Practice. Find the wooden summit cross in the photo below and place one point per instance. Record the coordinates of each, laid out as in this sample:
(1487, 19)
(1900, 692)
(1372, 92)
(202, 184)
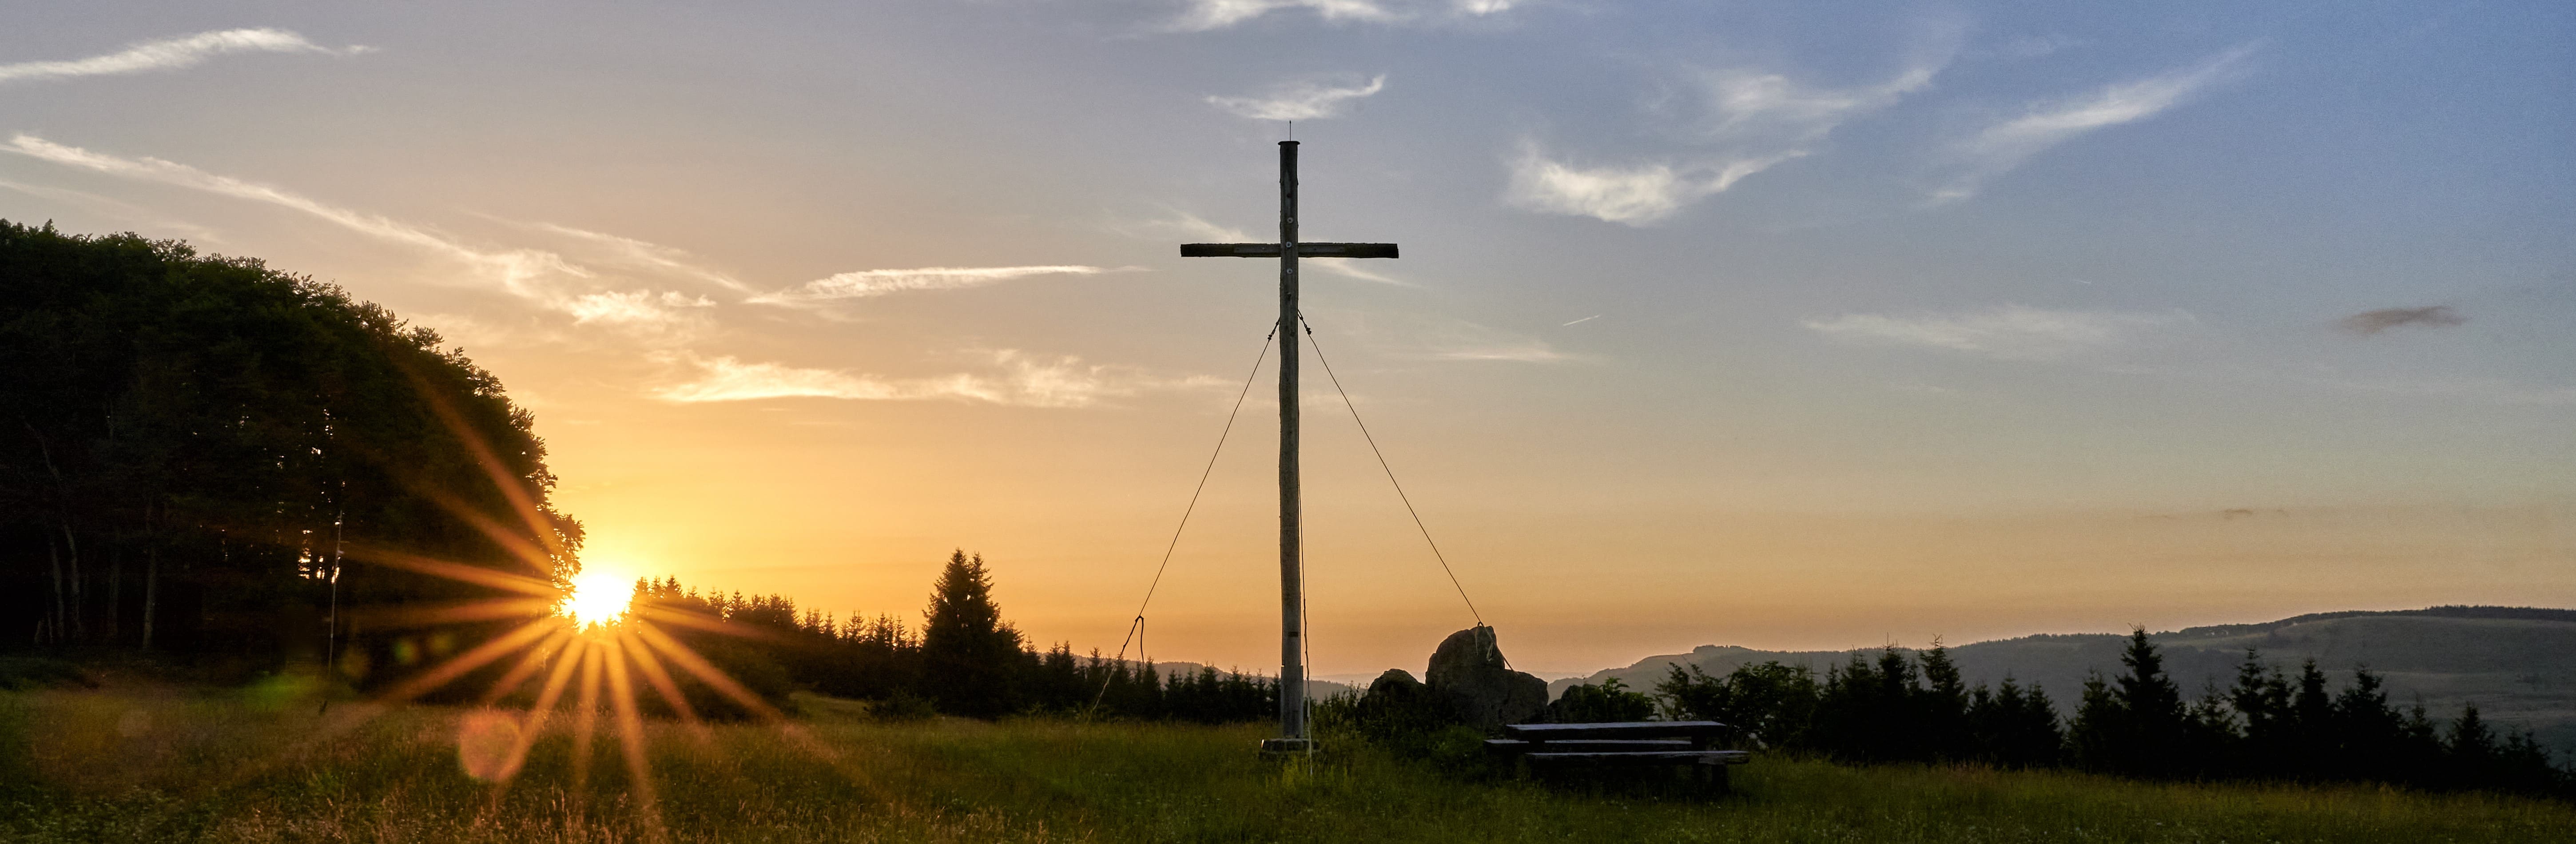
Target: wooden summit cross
(1292, 601)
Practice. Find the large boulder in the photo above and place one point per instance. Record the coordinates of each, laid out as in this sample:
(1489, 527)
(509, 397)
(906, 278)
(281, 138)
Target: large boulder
(1397, 703)
(1396, 685)
(1469, 673)
(1402, 713)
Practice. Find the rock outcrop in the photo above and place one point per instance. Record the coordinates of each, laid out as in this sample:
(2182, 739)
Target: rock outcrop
(1469, 673)
(1397, 684)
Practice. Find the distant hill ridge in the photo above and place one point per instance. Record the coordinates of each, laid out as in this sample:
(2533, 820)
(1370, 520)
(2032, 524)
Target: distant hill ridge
(2518, 664)
(2449, 611)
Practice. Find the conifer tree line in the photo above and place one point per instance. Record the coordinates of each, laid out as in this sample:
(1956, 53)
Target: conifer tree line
(964, 659)
(2268, 725)
(195, 451)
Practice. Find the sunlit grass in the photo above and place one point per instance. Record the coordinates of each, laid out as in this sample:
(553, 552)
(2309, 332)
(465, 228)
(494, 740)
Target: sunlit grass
(83, 766)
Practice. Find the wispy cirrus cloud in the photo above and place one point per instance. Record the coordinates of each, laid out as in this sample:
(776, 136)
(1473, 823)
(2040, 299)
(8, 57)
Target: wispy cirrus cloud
(1635, 195)
(1763, 106)
(1014, 378)
(1749, 121)
(1205, 15)
(519, 271)
(619, 249)
(2028, 47)
(662, 310)
(1306, 100)
(2003, 146)
(538, 276)
(171, 54)
(864, 284)
(2011, 332)
(2372, 322)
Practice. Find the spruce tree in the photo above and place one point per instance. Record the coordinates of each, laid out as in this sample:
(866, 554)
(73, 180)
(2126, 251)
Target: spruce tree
(2154, 707)
(968, 653)
(2370, 733)
(2262, 697)
(2098, 738)
(1944, 706)
(2312, 740)
(2471, 753)
(2013, 728)
(2136, 724)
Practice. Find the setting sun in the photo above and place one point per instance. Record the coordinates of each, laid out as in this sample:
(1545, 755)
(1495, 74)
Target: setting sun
(599, 596)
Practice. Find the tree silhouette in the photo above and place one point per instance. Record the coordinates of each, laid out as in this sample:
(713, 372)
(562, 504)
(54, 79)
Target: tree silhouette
(228, 435)
(967, 651)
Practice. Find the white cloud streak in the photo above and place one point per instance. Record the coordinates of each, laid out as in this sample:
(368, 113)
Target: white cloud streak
(518, 271)
(1754, 121)
(2011, 332)
(864, 284)
(1753, 105)
(2004, 146)
(641, 308)
(535, 275)
(1017, 378)
(1205, 15)
(1299, 100)
(1635, 195)
(170, 54)
(646, 254)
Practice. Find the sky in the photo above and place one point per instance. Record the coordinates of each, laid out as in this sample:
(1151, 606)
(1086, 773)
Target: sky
(1782, 325)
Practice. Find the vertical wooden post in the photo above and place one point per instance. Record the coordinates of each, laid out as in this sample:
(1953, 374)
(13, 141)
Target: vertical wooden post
(1292, 662)
(1292, 580)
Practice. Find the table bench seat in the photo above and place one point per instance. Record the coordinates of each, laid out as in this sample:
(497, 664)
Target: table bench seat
(1564, 747)
(1644, 757)
(1505, 745)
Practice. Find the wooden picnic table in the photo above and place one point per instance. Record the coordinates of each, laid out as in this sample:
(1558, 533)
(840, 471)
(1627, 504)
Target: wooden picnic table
(1542, 748)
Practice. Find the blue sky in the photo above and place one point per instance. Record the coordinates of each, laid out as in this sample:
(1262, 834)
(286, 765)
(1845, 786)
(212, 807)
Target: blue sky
(805, 294)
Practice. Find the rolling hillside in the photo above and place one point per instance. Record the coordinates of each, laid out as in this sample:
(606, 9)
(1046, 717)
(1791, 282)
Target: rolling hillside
(2517, 664)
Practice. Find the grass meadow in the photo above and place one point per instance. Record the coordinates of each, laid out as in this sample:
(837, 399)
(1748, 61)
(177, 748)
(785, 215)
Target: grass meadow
(265, 765)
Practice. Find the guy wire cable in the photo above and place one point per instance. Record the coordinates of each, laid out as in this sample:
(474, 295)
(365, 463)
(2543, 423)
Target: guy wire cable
(1135, 626)
(1390, 471)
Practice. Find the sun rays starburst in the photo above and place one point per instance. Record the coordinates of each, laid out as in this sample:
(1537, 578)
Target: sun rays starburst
(587, 635)
(599, 597)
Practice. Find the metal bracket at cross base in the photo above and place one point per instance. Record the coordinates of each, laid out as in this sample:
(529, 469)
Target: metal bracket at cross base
(1287, 746)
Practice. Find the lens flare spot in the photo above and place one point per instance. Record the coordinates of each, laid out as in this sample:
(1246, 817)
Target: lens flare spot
(484, 740)
(599, 596)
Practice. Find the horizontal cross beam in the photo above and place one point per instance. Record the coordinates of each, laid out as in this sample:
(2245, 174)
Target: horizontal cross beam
(1271, 250)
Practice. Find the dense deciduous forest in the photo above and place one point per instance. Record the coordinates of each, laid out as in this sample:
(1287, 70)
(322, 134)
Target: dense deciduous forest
(203, 455)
